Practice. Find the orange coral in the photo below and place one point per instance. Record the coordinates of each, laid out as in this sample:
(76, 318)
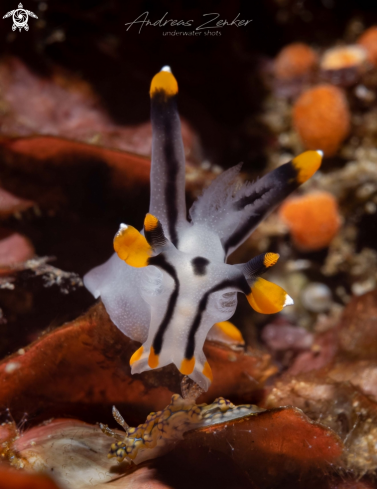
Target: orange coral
(12, 479)
(312, 219)
(344, 65)
(369, 41)
(321, 117)
(294, 60)
(343, 57)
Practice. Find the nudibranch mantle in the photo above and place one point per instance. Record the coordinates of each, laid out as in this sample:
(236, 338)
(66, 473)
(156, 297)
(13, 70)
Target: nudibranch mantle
(169, 284)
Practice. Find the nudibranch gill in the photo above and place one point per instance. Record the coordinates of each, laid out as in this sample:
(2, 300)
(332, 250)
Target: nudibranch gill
(169, 284)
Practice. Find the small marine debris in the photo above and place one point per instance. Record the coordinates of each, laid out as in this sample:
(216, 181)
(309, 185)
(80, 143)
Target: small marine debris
(39, 266)
(316, 297)
(66, 281)
(313, 219)
(322, 118)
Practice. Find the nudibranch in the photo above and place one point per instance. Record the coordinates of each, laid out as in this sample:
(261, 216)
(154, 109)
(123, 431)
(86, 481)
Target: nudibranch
(162, 429)
(169, 284)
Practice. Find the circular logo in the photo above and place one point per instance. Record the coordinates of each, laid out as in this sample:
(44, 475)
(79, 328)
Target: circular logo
(20, 18)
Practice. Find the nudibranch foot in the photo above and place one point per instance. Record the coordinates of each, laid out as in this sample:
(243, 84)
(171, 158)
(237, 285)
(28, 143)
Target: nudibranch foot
(169, 284)
(163, 429)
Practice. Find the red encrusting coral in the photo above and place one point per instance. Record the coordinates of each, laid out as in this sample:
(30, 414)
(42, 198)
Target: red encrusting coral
(40, 166)
(96, 349)
(322, 119)
(283, 438)
(14, 479)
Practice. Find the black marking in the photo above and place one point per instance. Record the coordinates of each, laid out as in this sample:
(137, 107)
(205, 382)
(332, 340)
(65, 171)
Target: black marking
(156, 237)
(240, 284)
(199, 264)
(241, 203)
(271, 189)
(163, 112)
(255, 267)
(160, 261)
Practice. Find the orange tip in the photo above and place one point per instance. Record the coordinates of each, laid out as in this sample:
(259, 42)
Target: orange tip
(231, 331)
(136, 355)
(207, 371)
(150, 222)
(306, 164)
(270, 259)
(165, 83)
(187, 366)
(153, 359)
(268, 298)
(132, 247)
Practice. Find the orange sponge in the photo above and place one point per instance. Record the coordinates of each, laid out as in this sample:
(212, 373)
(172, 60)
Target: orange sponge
(369, 41)
(312, 219)
(295, 60)
(322, 118)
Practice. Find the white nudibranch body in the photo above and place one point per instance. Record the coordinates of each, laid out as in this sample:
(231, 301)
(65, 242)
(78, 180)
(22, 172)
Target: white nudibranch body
(168, 286)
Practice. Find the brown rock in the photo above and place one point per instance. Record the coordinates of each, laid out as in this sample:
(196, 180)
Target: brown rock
(358, 328)
(337, 405)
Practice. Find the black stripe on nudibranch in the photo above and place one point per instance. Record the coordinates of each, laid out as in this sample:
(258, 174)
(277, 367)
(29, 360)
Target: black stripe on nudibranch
(239, 284)
(154, 232)
(272, 189)
(199, 265)
(160, 261)
(163, 114)
(241, 203)
(259, 264)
